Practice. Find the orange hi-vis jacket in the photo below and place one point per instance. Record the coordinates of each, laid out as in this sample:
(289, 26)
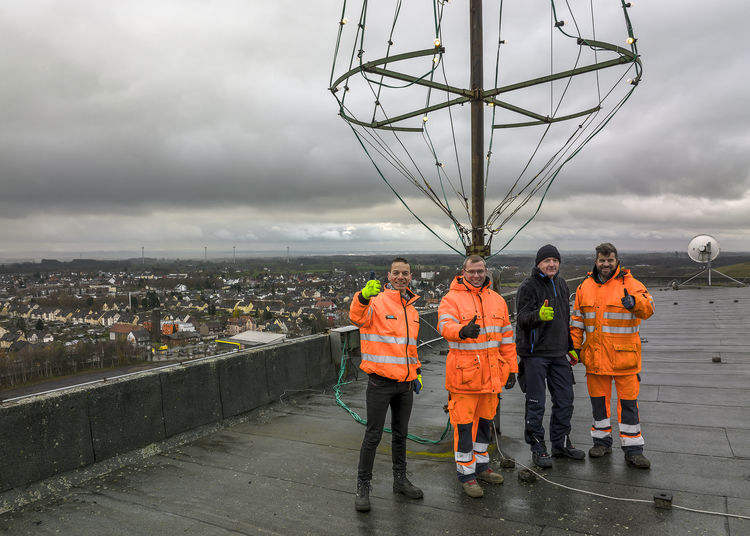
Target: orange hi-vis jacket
(606, 332)
(480, 365)
(388, 329)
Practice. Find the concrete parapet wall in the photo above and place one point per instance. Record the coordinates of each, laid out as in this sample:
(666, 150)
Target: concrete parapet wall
(54, 433)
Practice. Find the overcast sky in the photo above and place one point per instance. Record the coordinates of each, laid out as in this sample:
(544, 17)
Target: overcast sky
(182, 124)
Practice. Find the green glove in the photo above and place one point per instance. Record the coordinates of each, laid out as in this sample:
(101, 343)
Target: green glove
(546, 313)
(372, 289)
(417, 384)
(573, 358)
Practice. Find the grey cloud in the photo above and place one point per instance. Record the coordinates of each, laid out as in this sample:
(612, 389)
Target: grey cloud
(166, 113)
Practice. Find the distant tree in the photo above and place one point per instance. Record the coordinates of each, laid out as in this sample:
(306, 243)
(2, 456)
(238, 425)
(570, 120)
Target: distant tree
(19, 323)
(317, 322)
(212, 308)
(152, 300)
(89, 301)
(236, 313)
(39, 325)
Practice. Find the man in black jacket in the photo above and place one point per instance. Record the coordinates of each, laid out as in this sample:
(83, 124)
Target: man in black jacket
(546, 350)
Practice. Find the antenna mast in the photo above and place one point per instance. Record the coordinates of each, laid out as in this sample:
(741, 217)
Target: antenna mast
(477, 246)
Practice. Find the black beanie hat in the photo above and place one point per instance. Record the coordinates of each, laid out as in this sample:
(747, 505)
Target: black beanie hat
(547, 251)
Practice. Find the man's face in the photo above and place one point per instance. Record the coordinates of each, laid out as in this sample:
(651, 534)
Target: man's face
(606, 264)
(400, 276)
(475, 273)
(549, 266)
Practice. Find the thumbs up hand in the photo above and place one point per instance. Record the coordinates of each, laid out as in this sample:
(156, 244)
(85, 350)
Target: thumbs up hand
(546, 313)
(470, 330)
(628, 301)
(372, 288)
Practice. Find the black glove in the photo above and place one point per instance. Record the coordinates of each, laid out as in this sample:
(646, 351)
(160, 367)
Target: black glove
(628, 301)
(511, 380)
(470, 330)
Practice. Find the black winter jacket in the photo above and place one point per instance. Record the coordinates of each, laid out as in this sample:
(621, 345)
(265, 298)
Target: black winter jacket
(534, 337)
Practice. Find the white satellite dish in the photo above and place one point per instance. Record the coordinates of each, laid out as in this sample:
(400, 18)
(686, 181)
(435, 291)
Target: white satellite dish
(703, 249)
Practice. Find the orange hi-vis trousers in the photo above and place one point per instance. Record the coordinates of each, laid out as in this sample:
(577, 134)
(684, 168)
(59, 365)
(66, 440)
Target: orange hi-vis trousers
(471, 415)
(600, 391)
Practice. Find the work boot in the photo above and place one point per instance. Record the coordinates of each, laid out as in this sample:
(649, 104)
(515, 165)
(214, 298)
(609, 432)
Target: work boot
(637, 460)
(568, 451)
(402, 485)
(362, 501)
(541, 459)
(472, 489)
(490, 476)
(599, 451)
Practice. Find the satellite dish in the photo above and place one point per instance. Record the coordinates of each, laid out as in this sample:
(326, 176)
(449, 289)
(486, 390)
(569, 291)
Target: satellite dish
(703, 248)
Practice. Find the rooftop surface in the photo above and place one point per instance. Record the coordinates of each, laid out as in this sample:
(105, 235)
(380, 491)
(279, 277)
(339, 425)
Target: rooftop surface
(290, 468)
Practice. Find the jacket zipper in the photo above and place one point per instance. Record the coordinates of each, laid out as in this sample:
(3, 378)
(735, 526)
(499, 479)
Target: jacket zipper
(484, 320)
(406, 348)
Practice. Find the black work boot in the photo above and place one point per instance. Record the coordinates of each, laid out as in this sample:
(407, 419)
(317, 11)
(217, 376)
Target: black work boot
(362, 501)
(402, 485)
(637, 460)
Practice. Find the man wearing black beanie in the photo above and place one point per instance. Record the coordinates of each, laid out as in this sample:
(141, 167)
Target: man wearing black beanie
(545, 347)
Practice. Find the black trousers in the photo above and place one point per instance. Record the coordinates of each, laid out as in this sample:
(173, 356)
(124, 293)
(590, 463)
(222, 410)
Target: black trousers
(553, 373)
(381, 395)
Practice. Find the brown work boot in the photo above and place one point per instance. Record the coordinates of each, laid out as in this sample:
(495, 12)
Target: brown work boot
(599, 451)
(473, 489)
(402, 485)
(637, 460)
(490, 476)
(362, 501)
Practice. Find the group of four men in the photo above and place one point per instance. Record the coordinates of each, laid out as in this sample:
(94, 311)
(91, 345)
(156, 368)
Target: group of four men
(601, 331)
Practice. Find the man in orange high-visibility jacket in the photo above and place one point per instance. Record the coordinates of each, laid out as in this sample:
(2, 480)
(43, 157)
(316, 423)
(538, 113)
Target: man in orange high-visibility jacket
(388, 327)
(604, 324)
(481, 360)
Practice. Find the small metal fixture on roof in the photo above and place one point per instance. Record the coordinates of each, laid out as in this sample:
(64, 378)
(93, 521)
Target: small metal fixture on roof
(663, 500)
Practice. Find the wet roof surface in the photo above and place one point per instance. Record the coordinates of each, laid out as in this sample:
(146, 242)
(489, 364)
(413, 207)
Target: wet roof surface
(291, 468)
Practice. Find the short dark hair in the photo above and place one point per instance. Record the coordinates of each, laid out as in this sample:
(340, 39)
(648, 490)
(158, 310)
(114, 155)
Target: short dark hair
(472, 259)
(605, 249)
(400, 259)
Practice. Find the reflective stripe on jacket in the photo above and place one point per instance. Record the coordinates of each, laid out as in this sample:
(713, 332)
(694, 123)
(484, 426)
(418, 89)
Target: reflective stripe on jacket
(607, 333)
(480, 365)
(388, 330)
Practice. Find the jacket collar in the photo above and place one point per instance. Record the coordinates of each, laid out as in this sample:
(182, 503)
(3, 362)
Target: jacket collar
(619, 272)
(460, 284)
(395, 295)
(541, 275)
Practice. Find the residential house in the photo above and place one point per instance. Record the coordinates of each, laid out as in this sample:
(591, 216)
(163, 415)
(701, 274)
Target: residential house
(210, 327)
(38, 336)
(121, 331)
(7, 340)
(139, 337)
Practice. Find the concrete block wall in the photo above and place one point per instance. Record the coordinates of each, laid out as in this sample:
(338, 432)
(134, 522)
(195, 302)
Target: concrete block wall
(49, 434)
